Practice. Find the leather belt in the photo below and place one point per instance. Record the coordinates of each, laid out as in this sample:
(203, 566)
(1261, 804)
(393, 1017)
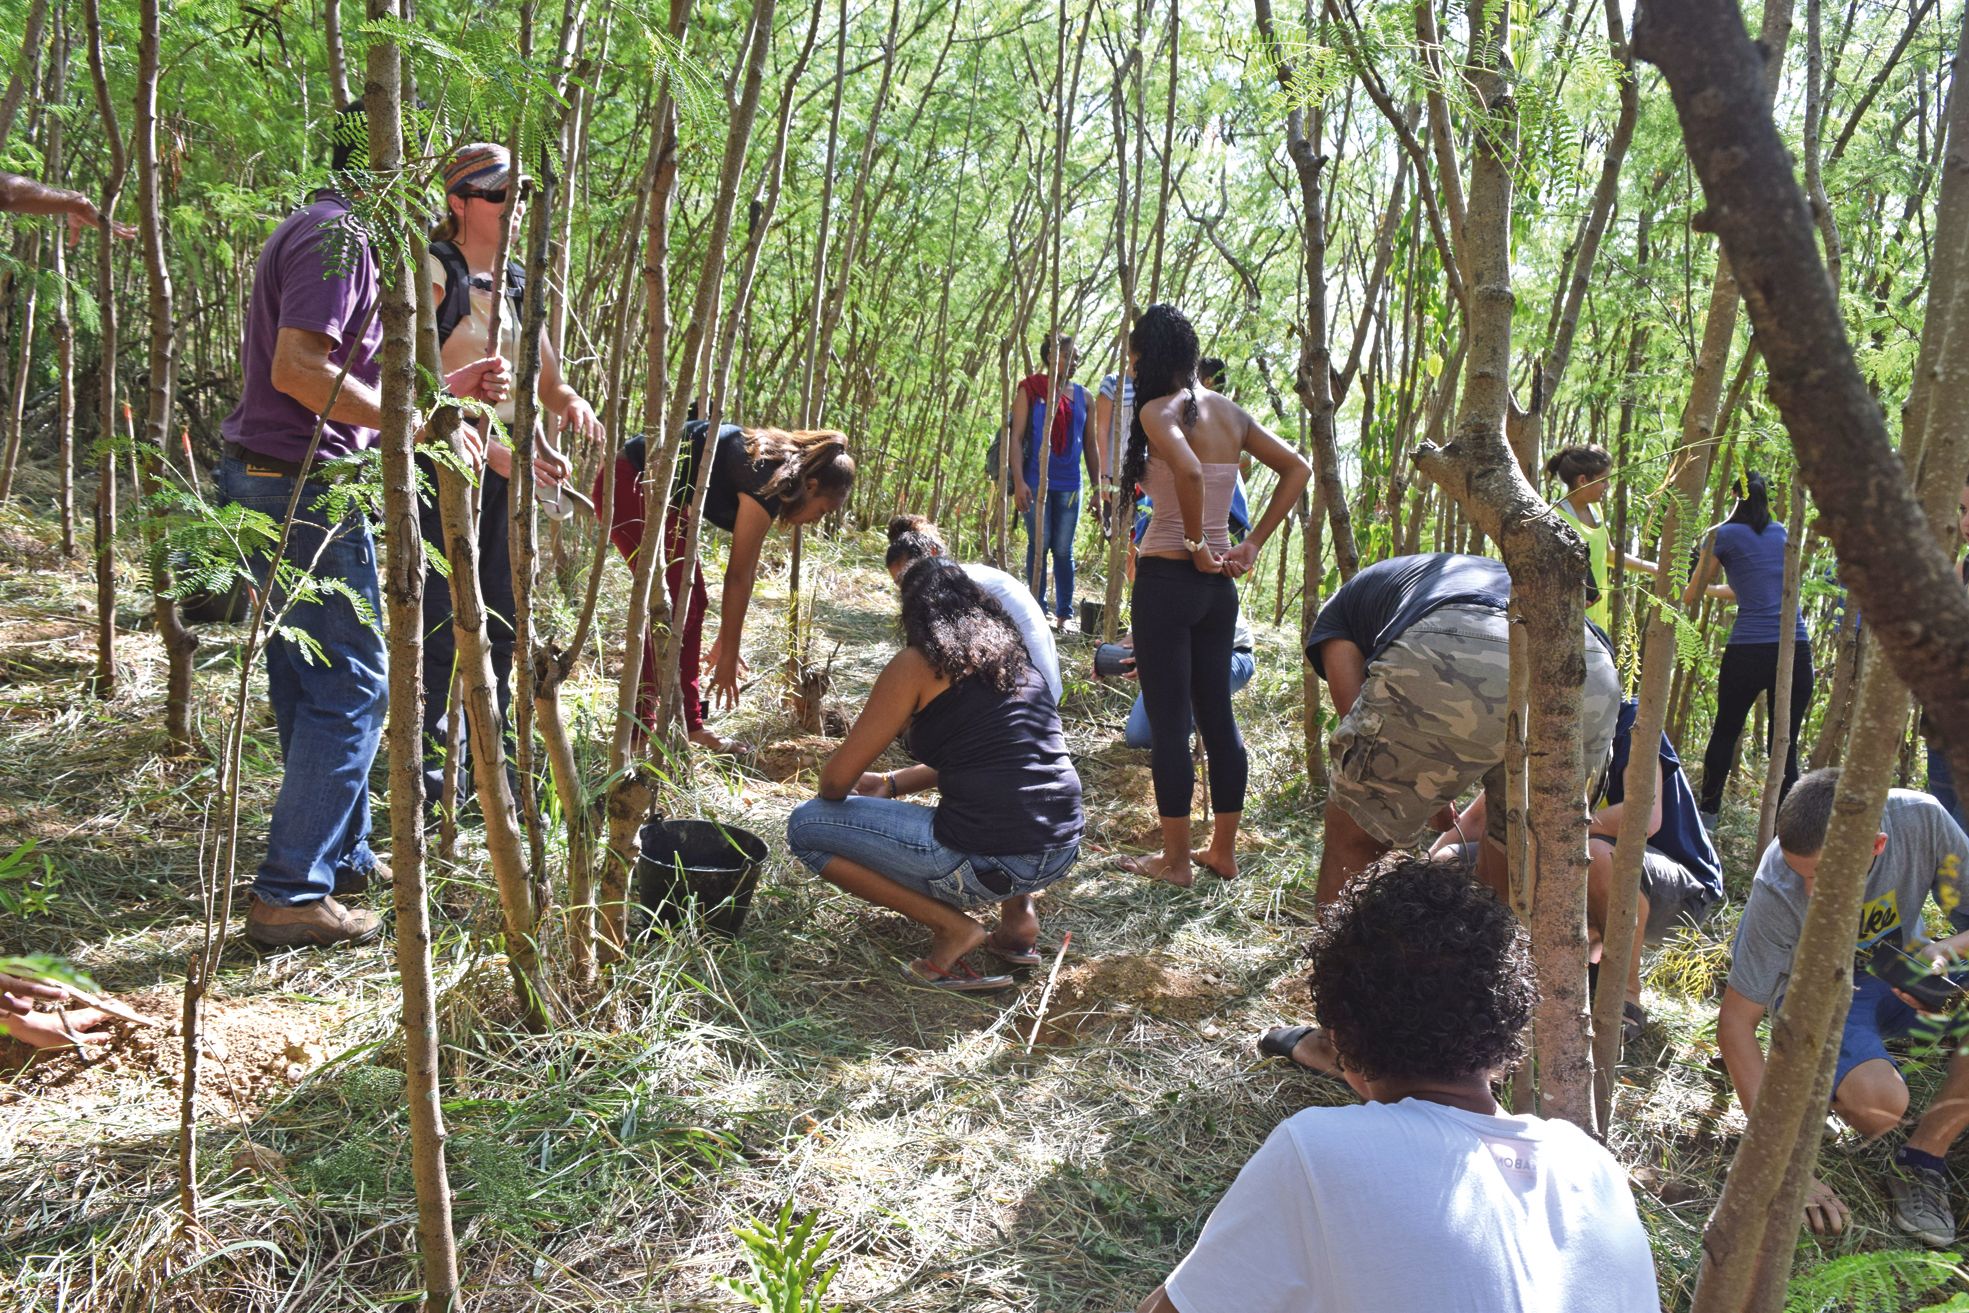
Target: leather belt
(265, 463)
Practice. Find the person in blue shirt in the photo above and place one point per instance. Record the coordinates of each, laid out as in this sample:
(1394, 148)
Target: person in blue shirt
(1750, 548)
(1064, 442)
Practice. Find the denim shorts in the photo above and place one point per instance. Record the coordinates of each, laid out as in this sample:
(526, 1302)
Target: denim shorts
(897, 840)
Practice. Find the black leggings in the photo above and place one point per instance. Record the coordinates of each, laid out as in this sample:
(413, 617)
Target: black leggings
(1184, 623)
(1750, 669)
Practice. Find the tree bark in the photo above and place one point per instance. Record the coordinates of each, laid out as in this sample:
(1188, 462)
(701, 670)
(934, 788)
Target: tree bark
(104, 683)
(1890, 556)
(1548, 567)
(1313, 379)
(23, 366)
(1780, 700)
(403, 590)
(180, 644)
(23, 75)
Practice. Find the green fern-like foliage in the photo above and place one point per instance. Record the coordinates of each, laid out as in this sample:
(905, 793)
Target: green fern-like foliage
(1886, 1281)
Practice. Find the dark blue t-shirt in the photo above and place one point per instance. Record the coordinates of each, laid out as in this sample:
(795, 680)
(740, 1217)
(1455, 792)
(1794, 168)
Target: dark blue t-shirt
(1377, 605)
(1681, 837)
(1753, 563)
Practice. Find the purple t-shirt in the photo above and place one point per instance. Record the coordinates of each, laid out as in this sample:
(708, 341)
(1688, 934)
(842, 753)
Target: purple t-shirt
(313, 277)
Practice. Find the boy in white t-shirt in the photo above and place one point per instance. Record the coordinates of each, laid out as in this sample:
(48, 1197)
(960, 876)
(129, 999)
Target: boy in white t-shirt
(1427, 1196)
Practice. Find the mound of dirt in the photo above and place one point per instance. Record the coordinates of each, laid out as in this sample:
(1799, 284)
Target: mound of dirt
(790, 757)
(1098, 997)
(255, 1051)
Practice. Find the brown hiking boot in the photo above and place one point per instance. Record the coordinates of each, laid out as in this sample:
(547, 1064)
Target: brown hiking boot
(323, 923)
(349, 883)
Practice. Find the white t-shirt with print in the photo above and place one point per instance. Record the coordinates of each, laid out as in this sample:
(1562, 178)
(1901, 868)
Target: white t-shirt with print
(1414, 1206)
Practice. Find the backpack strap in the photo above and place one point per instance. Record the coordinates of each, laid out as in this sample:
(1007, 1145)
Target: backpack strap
(456, 304)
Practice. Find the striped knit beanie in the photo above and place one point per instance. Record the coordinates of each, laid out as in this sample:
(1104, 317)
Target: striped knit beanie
(481, 166)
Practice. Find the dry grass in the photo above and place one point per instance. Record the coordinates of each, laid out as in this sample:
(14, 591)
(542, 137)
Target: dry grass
(605, 1167)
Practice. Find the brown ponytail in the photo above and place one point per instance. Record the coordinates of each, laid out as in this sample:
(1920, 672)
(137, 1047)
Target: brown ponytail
(799, 455)
(1574, 465)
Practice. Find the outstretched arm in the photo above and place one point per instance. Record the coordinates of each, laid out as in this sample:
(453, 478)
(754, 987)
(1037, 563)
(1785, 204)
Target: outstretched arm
(20, 195)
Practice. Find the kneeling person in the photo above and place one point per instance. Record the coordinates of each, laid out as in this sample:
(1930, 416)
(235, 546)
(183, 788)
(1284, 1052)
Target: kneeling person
(985, 727)
(1427, 1196)
(1919, 852)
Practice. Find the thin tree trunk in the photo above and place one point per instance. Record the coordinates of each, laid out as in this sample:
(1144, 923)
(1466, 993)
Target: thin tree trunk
(698, 331)
(630, 797)
(403, 590)
(1780, 701)
(180, 644)
(23, 75)
(104, 683)
(1313, 380)
(338, 73)
(23, 367)
(1548, 570)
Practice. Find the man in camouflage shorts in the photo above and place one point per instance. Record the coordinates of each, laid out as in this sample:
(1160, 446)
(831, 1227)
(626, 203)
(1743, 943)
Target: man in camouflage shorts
(1416, 653)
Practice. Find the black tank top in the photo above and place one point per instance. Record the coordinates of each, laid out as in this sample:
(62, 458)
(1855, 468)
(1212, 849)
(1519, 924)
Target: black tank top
(1008, 786)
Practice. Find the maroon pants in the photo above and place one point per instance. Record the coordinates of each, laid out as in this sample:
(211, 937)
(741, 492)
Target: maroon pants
(625, 530)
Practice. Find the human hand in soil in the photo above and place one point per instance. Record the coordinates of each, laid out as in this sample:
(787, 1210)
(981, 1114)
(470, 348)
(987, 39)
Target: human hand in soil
(1825, 1212)
(1240, 559)
(57, 1030)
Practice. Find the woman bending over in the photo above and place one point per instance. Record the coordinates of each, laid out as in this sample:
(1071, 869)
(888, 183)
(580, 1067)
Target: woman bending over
(986, 731)
(759, 478)
(1183, 449)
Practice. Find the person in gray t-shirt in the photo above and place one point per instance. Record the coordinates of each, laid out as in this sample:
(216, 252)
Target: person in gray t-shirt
(1919, 853)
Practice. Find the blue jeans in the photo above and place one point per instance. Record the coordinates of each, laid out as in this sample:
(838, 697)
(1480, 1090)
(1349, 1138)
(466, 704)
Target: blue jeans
(1062, 521)
(897, 840)
(328, 706)
(1136, 732)
(1941, 783)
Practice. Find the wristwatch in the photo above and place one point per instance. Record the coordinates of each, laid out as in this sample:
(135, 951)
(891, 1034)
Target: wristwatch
(1196, 546)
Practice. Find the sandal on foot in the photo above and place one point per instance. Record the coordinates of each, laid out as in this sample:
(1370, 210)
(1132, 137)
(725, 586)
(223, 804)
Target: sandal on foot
(1018, 957)
(1280, 1041)
(958, 978)
(1633, 1020)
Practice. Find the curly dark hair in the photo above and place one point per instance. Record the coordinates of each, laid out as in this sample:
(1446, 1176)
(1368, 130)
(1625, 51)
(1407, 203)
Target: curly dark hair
(1165, 363)
(911, 538)
(1419, 972)
(960, 629)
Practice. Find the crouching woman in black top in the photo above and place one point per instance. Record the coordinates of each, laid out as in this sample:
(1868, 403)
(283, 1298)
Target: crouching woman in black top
(984, 726)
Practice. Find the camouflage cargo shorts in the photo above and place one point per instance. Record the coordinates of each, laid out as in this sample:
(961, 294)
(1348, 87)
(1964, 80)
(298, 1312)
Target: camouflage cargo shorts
(1430, 721)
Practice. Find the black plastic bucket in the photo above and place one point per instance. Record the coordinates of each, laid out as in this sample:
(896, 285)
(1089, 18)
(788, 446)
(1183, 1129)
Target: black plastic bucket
(703, 863)
(1091, 615)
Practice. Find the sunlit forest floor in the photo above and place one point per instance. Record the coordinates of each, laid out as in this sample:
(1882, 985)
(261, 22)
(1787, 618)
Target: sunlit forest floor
(967, 1153)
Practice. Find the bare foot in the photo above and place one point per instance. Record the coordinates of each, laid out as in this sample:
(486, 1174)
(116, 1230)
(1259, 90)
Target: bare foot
(1316, 1051)
(1223, 866)
(705, 738)
(947, 947)
(1158, 867)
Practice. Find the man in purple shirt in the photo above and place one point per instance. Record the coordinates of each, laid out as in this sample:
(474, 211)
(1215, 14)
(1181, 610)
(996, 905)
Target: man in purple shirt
(311, 363)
